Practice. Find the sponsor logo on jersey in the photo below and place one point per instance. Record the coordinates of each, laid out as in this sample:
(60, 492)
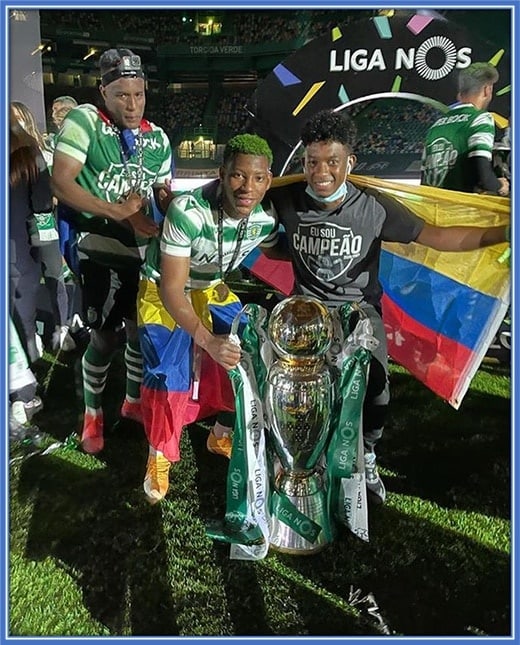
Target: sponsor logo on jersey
(117, 180)
(441, 156)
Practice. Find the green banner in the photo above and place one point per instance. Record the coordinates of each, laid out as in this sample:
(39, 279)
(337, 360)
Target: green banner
(351, 391)
(237, 526)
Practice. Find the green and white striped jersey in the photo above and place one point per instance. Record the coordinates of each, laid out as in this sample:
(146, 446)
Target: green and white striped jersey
(462, 133)
(190, 229)
(88, 136)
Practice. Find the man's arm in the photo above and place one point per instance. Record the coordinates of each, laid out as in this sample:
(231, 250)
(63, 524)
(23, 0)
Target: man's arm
(276, 246)
(487, 180)
(68, 191)
(174, 275)
(163, 196)
(277, 252)
(461, 238)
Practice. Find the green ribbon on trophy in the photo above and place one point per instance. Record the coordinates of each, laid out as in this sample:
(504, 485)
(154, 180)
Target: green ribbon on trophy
(245, 524)
(315, 414)
(255, 342)
(284, 509)
(342, 451)
(345, 466)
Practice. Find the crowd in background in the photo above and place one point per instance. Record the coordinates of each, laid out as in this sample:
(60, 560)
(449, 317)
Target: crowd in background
(177, 26)
(222, 111)
(401, 127)
(232, 113)
(401, 124)
(176, 111)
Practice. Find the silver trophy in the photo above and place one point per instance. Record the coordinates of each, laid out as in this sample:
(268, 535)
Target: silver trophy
(299, 395)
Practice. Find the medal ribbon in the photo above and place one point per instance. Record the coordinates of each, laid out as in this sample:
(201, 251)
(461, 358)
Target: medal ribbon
(128, 148)
(241, 231)
(129, 145)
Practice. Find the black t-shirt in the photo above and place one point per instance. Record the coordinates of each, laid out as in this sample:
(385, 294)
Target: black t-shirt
(335, 254)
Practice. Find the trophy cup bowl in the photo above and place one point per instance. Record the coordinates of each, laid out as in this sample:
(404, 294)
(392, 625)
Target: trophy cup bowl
(300, 327)
(299, 403)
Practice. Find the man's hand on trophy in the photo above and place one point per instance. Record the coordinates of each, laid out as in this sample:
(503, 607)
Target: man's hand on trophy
(224, 351)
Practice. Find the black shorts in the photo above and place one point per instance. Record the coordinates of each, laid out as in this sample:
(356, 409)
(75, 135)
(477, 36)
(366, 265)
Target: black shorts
(109, 295)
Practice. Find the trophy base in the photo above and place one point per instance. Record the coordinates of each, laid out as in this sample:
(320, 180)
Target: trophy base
(306, 496)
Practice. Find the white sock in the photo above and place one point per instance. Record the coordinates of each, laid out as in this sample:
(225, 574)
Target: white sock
(221, 431)
(153, 452)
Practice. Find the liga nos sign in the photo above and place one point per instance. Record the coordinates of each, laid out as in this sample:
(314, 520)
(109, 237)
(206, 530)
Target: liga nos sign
(409, 56)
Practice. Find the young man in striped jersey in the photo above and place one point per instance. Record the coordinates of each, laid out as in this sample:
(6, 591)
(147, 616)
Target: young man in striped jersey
(458, 150)
(106, 163)
(185, 308)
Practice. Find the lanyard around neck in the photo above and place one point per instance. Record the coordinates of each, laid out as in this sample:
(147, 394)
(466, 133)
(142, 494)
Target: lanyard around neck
(129, 144)
(241, 231)
(132, 145)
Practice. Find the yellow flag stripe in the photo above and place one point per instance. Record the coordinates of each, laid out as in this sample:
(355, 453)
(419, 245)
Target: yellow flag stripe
(479, 269)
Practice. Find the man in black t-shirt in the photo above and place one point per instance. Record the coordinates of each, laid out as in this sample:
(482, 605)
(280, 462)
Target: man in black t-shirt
(334, 234)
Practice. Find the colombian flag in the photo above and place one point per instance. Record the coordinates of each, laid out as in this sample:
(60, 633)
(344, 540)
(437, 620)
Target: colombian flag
(441, 310)
(170, 395)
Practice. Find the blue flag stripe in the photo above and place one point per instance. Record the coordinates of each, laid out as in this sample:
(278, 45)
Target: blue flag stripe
(436, 301)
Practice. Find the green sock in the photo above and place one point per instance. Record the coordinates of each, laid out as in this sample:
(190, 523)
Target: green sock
(95, 366)
(134, 370)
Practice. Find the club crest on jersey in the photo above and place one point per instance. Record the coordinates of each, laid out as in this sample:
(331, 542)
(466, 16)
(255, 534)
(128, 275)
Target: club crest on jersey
(327, 250)
(253, 232)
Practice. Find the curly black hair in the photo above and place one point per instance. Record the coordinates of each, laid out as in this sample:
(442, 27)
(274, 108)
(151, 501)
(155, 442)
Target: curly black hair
(329, 126)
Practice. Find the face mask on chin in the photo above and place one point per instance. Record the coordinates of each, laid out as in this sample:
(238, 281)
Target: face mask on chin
(338, 194)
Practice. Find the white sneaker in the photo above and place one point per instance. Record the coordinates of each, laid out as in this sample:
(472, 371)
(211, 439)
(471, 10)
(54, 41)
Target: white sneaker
(375, 487)
(32, 407)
